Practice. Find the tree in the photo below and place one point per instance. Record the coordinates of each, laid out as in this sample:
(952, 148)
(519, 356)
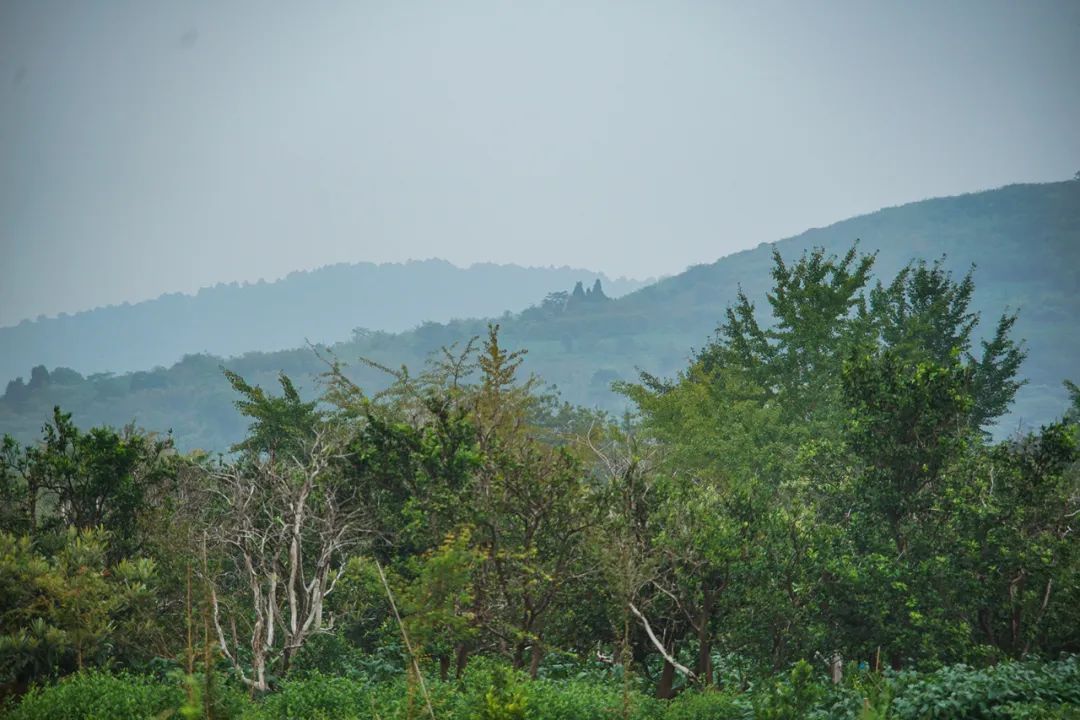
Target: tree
(39, 377)
(555, 303)
(531, 504)
(885, 499)
(468, 447)
(924, 315)
(1072, 415)
(819, 316)
(85, 480)
(812, 463)
(732, 518)
(282, 424)
(1023, 497)
(16, 390)
(907, 426)
(280, 519)
(715, 497)
(437, 604)
(72, 609)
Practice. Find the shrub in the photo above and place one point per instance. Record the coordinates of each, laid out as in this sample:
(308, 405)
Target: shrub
(790, 698)
(1009, 690)
(100, 696)
(709, 706)
(492, 691)
(572, 699)
(1028, 711)
(315, 697)
(329, 654)
(505, 698)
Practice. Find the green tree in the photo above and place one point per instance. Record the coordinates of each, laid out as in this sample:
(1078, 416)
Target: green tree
(816, 458)
(469, 446)
(890, 580)
(925, 315)
(282, 424)
(437, 605)
(717, 516)
(72, 609)
(1022, 498)
(818, 313)
(97, 478)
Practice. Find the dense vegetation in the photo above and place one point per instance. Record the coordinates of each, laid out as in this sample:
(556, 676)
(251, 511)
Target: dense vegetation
(322, 305)
(810, 496)
(1024, 241)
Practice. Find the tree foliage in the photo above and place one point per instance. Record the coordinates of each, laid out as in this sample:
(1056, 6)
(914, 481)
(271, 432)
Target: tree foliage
(815, 490)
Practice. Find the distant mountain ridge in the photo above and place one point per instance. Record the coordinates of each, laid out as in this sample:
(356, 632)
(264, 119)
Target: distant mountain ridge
(322, 305)
(1023, 239)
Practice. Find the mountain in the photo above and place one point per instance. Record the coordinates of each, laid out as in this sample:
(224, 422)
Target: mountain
(323, 305)
(1024, 241)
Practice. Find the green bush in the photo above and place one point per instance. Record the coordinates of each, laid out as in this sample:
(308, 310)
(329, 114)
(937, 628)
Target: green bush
(1029, 711)
(709, 706)
(572, 699)
(330, 654)
(1009, 690)
(315, 697)
(790, 698)
(100, 696)
(491, 691)
(505, 698)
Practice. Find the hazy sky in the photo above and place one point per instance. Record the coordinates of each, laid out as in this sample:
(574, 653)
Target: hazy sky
(151, 146)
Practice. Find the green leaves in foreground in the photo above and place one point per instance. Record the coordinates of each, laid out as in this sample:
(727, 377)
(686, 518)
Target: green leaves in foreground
(1010, 691)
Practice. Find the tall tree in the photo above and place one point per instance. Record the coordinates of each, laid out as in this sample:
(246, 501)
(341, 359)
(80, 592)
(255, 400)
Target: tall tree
(925, 315)
(818, 316)
(279, 522)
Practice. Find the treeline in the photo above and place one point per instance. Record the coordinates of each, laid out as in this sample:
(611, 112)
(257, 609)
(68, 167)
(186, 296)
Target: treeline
(1024, 241)
(322, 305)
(817, 491)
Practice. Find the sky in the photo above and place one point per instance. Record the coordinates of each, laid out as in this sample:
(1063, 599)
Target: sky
(150, 146)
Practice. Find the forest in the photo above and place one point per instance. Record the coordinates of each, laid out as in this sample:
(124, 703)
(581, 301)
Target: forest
(808, 520)
(322, 305)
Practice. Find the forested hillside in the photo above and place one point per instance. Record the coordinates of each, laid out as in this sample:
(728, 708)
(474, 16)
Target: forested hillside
(1023, 241)
(323, 305)
(807, 521)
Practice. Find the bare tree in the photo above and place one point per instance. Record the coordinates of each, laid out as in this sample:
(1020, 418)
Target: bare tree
(283, 526)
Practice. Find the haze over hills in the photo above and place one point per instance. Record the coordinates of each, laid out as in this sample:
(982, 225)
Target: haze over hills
(321, 306)
(1024, 241)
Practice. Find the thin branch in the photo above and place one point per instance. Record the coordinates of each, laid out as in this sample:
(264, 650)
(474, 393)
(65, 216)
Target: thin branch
(660, 646)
